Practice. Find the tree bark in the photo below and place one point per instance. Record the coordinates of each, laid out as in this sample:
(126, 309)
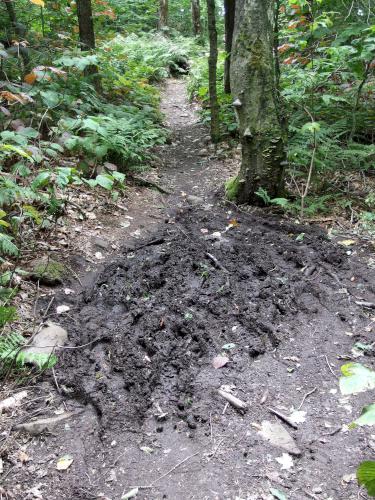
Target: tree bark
(87, 37)
(229, 10)
(86, 25)
(254, 91)
(212, 71)
(196, 17)
(19, 30)
(163, 14)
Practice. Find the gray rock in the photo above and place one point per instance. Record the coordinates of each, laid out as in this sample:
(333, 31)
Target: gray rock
(194, 200)
(45, 342)
(100, 243)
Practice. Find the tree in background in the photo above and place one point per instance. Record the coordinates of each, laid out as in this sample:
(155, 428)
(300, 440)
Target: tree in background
(86, 25)
(163, 14)
(229, 11)
(196, 17)
(254, 92)
(212, 71)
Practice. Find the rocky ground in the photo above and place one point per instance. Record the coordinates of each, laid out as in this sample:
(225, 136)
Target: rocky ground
(203, 353)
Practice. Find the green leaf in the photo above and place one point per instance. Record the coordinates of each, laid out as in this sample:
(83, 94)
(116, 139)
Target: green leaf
(367, 416)
(41, 179)
(278, 494)
(15, 149)
(7, 246)
(356, 378)
(104, 181)
(7, 315)
(366, 476)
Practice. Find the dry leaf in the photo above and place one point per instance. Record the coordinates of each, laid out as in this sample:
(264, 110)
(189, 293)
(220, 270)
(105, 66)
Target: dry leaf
(30, 78)
(298, 417)
(64, 462)
(286, 461)
(23, 457)
(219, 361)
(347, 243)
(62, 309)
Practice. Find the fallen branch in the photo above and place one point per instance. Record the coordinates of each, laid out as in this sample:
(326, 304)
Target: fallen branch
(283, 417)
(139, 181)
(368, 305)
(306, 396)
(42, 425)
(233, 400)
(216, 262)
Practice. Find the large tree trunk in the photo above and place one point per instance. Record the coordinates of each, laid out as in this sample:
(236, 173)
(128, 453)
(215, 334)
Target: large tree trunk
(256, 103)
(196, 17)
(86, 24)
(229, 9)
(163, 14)
(212, 70)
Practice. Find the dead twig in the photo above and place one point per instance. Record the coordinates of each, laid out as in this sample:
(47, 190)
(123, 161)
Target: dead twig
(264, 397)
(329, 366)
(283, 417)
(367, 305)
(216, 263)
(233, 400)
(173, 468)
(306, 396)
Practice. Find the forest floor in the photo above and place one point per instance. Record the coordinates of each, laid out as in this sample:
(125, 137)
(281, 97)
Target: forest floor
(199, 296)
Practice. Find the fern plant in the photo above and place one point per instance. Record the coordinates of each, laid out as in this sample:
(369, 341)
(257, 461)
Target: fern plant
(11, 353)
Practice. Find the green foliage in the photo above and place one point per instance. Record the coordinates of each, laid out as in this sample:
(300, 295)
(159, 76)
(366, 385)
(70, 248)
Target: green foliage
(366, 476)
(356, 378)
(198, 89)
(367, 416)
(12, 355)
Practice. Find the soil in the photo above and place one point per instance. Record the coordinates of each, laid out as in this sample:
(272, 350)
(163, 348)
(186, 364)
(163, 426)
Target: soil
(276, 298)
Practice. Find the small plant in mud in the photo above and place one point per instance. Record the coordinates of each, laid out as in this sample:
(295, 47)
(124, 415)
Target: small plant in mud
(357, 378)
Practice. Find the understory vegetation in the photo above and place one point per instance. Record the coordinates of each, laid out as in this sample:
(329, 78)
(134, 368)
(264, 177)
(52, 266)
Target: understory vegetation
(79, 109)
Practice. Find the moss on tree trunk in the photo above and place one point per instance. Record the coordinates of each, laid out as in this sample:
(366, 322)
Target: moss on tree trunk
(254, 91)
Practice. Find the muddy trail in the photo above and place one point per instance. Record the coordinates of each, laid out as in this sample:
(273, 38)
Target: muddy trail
(213, 299)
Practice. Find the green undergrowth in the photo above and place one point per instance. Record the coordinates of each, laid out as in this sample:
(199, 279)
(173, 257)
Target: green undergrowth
(63, 129)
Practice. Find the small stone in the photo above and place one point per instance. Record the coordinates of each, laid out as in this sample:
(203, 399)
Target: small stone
(317, 490)
(100, 243)
(191, 422)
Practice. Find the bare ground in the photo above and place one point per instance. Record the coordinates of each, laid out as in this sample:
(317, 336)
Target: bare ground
(276, 298)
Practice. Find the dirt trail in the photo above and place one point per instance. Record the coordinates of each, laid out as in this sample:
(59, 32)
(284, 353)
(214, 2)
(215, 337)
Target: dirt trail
(277, 299)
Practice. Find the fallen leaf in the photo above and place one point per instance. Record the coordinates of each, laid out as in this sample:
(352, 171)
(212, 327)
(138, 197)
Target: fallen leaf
(23, 457)
(228, 347)
(298, 417)
(356, 378)
(64, 462)
(347, 243)
(286, 461)
(219, 361)
(147, 450)
(277, 435)
(62, 309)
(278, 494)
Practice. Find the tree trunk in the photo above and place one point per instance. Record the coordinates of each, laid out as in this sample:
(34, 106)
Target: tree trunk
(86, 24)
(196, 17)
(229, 9)
(19, 30)
(255, 100)
(163, 14)
(87, 37)
(212, 71)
